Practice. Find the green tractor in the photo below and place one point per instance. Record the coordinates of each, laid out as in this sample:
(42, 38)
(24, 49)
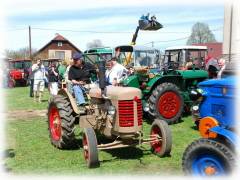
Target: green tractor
(166, 84)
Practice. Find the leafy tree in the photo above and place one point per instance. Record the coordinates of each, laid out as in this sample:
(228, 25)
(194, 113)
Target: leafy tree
(201, 34)
(95, 43)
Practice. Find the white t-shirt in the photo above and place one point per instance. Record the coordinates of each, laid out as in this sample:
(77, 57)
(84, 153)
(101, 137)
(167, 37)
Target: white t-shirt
(117, 71)
(38, 72)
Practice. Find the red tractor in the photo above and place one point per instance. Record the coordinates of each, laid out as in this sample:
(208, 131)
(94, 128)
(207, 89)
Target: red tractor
(18, 72)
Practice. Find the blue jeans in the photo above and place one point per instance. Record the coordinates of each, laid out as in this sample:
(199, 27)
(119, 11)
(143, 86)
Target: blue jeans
(78, 92)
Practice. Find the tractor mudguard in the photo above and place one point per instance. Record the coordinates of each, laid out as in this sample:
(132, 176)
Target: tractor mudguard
(131, 81)
(162, 79)
(73, 102)
(230, 135)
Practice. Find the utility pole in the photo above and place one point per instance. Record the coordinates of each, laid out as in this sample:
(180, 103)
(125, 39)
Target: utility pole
(230, 38)
(30, 42)
(152, 43)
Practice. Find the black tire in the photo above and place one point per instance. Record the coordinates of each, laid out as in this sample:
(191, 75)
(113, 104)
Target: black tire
(90, 150)
(205, 148)
(163, 147)
(62, 136)
(159, 95)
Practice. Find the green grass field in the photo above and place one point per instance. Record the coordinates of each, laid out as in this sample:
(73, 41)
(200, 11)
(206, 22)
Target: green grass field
(29, 150)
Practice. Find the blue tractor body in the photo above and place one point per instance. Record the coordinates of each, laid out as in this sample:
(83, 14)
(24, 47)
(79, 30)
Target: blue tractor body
(219, 99)
(214, 154)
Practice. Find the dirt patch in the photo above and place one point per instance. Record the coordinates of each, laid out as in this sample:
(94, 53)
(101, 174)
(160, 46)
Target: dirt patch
(26, 114)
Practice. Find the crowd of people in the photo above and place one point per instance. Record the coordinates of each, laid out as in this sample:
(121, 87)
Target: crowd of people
(75, 72)
(41, 77)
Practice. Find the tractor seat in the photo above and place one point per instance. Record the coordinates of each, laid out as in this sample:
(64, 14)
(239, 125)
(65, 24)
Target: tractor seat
(95, 92)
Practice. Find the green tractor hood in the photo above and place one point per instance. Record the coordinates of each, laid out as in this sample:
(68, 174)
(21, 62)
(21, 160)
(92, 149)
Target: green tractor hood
(192, 74)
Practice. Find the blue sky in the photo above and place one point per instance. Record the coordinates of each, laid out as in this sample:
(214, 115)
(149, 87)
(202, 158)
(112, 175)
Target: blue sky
(69, 17)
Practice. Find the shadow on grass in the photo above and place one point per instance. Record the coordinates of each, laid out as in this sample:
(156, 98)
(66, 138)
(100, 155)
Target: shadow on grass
(126, 153)
(9, 153)
(194, 128)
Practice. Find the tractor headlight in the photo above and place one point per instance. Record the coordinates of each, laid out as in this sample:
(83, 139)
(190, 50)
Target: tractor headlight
(195, 108)
(146, 107)
(111, 110)
(196, 95)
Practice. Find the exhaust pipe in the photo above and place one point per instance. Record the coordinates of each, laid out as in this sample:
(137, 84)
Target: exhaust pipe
(101, 75)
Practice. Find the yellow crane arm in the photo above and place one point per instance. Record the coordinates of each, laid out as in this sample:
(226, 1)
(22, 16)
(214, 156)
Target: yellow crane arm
(133, 42)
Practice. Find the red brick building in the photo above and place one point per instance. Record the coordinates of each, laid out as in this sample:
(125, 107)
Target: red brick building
(214, 49)
(58, 48)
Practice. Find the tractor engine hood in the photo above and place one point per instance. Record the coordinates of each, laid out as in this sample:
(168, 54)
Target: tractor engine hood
(117, 93)
(192, 74)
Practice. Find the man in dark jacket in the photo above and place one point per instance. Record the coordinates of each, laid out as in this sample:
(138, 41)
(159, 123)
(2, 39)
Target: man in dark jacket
(79, 74)
(53, 79)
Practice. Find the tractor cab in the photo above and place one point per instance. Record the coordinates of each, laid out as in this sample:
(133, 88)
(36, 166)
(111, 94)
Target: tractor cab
(184, 57)
(95, 55)
(140, 56)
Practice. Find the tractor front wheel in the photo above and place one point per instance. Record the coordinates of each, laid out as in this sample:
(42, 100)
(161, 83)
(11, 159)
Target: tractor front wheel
(61, 122)
(166, 103)
(207, 157)
(90, 150)
(162, 136)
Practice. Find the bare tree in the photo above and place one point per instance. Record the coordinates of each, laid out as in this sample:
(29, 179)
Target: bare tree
(95, 43)
(22, 53)
(201, 34)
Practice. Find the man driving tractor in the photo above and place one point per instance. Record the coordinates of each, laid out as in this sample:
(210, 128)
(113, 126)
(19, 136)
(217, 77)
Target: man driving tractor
(79, 75)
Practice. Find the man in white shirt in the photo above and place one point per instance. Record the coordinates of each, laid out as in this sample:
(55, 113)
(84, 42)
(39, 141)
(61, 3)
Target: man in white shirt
(115, 73)
(38, 71)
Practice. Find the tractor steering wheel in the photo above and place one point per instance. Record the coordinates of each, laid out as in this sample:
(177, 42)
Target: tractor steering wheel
(171, 65)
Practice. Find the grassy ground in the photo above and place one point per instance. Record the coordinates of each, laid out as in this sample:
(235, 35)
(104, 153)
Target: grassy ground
(29, 149)
(18, 99)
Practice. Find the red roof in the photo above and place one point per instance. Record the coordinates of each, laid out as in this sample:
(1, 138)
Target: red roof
(59, 38)
(214, 49)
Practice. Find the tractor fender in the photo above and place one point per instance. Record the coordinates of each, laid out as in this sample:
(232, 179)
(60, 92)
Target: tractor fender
(231, 136)
(73, 102)
(175, 79)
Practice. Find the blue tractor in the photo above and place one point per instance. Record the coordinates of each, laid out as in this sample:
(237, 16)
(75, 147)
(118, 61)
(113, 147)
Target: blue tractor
(214, 153)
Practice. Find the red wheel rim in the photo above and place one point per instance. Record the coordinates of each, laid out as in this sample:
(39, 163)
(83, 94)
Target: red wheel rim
(55, 123)
(169, 104)
(85, 147)
(157, 144)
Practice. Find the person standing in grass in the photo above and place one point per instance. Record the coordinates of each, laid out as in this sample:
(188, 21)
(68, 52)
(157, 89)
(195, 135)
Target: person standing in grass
(62, 69)
(31, 80)
(53, 79)
(38, 71)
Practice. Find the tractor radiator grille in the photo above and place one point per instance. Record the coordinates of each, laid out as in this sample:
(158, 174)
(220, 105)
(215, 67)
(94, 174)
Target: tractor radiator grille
(126, 113)
(139, 112)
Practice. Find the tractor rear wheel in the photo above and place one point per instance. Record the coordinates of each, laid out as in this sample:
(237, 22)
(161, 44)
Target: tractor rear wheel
(61, 122)
(206, 157)
(161, 132)
(166, 103)
(90, 150)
